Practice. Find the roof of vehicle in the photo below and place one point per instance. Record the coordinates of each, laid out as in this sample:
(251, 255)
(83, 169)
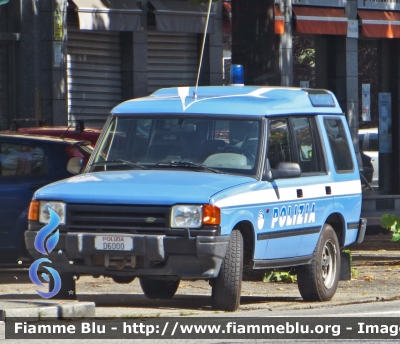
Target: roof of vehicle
(41, 138)
(233, 100)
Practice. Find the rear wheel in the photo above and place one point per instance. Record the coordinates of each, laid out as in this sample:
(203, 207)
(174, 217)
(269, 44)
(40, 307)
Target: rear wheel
(226, 288)
(319, 280)
(158, 289)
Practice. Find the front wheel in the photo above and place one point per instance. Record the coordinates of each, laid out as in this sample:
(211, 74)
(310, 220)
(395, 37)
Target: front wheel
(159, 289)
(123, 279)
(226, 288)
(319, 280)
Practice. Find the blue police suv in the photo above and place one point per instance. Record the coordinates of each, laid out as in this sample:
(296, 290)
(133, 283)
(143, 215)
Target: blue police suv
(196, 183)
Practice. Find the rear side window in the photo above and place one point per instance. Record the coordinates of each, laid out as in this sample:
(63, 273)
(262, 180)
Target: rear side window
(21, 160)
(339, 145)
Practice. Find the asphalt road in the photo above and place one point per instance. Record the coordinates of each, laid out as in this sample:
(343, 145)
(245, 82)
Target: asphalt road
(374, 293)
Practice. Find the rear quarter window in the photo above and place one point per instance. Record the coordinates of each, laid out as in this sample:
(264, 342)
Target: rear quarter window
(339, 145)
(21, 160)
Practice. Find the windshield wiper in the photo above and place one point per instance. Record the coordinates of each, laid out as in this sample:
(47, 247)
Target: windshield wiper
(121, 161)
(188, 164)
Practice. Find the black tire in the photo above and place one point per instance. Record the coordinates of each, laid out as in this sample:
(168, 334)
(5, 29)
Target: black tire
(226, 288)
(158, 289)
(123, 279)
(319, 280)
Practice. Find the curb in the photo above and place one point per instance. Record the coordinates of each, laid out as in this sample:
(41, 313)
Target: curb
(12, 308)
(369, 257)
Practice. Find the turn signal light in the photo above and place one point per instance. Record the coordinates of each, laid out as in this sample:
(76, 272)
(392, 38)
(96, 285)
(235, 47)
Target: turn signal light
(33, 213)
(211, 215)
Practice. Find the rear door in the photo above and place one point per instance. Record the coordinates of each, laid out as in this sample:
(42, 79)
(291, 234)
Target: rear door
(346, 188)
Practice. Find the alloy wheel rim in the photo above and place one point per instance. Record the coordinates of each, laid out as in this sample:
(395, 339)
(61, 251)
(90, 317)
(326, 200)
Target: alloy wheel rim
(328, 263)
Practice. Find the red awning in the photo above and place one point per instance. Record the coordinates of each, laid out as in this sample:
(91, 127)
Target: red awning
(227, 19)
(279, 21)
(320, 20)
(381, 24)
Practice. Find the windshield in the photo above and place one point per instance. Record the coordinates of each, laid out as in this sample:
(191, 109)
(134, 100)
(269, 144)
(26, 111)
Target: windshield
(225, 145)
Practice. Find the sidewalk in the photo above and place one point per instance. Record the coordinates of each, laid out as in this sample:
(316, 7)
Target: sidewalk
(43, 309)
(378, 255)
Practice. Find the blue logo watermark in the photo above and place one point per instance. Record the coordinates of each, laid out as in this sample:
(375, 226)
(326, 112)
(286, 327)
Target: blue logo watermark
(45, 247)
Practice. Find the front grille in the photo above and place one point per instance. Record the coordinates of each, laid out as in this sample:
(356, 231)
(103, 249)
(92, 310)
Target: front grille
(119, 218)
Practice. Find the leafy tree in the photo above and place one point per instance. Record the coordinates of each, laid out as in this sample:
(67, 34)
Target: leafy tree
(392, 222)
(303, 60)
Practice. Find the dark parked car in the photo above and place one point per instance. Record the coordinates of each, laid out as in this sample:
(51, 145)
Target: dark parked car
(28, 162)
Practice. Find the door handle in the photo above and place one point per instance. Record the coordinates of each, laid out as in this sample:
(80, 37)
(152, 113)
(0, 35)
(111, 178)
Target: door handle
(299, 193)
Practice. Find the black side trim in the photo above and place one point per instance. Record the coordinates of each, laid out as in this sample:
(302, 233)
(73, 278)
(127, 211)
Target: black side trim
(263, 236)
(353, 225)
(284, 234)
(288, 233)
(279, 263)
(311, 230)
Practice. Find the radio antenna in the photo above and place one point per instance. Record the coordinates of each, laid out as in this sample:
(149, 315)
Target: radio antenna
(202, 49)
(65, 132)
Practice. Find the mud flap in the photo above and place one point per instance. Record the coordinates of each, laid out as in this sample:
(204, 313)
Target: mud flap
(345, 266)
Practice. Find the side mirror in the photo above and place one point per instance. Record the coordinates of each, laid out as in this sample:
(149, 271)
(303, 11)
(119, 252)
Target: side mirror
(286, 170)
(75, 165)
(282, 170)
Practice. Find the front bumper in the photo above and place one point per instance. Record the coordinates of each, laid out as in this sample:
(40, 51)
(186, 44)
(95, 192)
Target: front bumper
(164, 256)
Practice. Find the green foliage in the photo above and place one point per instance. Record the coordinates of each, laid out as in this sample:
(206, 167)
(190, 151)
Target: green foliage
(349, 252)
(280, 276)
(390, 222)
(307, 56)
(354, 272)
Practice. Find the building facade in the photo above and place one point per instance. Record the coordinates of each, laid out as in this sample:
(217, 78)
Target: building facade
(62, 60)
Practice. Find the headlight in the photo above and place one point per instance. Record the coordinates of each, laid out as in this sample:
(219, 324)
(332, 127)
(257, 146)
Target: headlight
(194, 216)
(186, 216)
(58, 208)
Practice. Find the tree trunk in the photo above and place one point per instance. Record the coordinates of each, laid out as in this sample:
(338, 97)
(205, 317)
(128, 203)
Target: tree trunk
(254, 43)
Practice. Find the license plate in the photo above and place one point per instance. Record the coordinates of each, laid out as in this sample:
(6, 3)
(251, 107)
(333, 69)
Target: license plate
(113, 242)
